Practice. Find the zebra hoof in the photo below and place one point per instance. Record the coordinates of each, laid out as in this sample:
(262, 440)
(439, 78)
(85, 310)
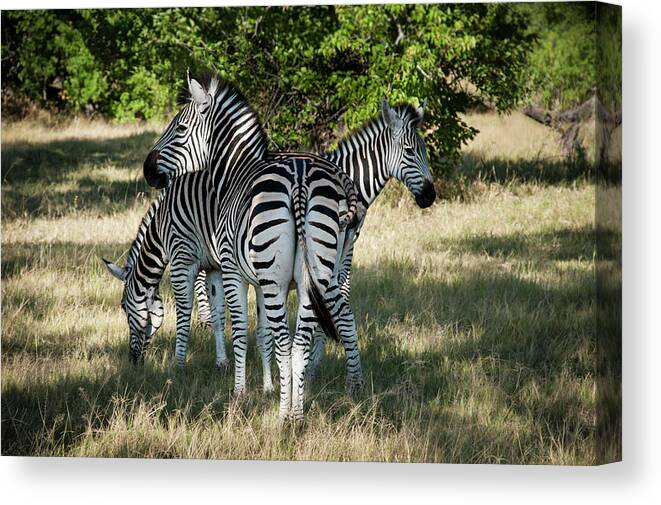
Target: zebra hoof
(355, 387)
(291, 421)
(223, 366)
(311, 375)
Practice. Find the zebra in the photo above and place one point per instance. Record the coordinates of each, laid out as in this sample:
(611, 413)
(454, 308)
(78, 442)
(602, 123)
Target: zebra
(161, 241)
(264, 222)
(388, 146)
(180, 229)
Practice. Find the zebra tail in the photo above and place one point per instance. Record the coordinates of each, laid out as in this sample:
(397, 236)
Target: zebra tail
(319, 307)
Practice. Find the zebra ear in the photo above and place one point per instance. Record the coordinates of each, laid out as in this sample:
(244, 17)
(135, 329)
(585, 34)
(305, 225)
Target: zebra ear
(197, 91)
(391, 118)
(115, 270)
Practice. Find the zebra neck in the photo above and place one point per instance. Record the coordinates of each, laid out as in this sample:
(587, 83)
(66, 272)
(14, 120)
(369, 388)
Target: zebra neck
(364, 157)
(134, 251)
(238, 141)
(151, 259)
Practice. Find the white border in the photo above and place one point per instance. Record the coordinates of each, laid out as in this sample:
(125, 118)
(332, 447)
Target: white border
(59, 480)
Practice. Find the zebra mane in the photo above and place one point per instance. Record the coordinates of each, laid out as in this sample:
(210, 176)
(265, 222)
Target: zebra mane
(215, 85)
(134, 251)
(405, 111)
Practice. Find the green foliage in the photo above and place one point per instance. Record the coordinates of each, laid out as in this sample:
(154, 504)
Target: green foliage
(609, 55)
(310, 71)
(145, 97)
(562, 71)
(49, 60)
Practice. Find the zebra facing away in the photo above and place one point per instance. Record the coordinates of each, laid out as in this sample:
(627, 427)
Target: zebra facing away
(265, 223)
(388, 146)
(182, 228)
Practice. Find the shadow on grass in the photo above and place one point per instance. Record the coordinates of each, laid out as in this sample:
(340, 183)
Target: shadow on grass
(21, 257)
(91, 194)
(520, 349)
(495, 314)
(494, 338)
(31, 174)
(527, 170)
(53, 161)
(563, 244)
(51, 415)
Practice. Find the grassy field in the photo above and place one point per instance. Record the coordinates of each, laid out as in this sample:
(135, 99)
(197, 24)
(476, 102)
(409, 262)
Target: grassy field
(475, 320)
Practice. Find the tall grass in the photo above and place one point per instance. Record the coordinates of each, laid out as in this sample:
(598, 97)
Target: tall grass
(475, 323)
(513, 148)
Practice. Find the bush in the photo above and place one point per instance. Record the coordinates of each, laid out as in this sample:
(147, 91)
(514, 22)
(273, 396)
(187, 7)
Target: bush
(562, 63)
(308, 70)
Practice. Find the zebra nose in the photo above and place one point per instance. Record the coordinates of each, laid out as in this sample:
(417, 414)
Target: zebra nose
(426, 196)
(153, 177)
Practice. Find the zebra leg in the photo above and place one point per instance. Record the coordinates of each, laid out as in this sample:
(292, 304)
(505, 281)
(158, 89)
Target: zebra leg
(305, 325)
(201, 293)
(264, 342)
(344, 277)
(346, 325)
(183, 279)
(236, 291)
(275, 312)
(214, 287)
(316, 354)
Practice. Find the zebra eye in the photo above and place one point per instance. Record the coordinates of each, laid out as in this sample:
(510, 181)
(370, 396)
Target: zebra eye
(182, 127)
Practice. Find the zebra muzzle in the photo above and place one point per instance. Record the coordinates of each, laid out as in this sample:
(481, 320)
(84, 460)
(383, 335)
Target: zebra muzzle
(426, 196)
(153, 176)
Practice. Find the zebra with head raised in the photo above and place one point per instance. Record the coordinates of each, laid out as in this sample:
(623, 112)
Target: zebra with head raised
(263, 223)
(388, 146)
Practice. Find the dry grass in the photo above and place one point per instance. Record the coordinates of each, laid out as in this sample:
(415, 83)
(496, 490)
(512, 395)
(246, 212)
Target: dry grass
(44, 131)
(512, 137)
(513, 148)
(476, 325)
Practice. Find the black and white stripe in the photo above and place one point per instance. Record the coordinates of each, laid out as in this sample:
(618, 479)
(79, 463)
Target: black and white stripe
(389, 146)
(174, 231)
(264, 222)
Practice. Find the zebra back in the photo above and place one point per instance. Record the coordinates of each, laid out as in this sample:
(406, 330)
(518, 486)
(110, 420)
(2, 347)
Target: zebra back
(342, 179)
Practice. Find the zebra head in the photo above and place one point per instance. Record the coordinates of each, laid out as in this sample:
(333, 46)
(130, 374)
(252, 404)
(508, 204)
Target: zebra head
(215, 130)
(143, 307)
(408, 156)
(184, 146)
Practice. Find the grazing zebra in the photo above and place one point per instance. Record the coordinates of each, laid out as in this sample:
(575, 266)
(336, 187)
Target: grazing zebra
(165, 236)
(263, 222)
(388, 146)
(183, 227)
